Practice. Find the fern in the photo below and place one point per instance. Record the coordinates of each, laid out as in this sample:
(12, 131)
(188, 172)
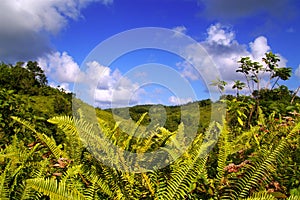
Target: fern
(263, 169)
(104, 186)
(49, 142)
(28, 193)
(53, 189)
(85, 135)
(70, 126)
(268, 196)
(261, 196)
(224, 151)
(147, 182)
(71, 172)
(4, 190)
(293, 197)
(186, 170)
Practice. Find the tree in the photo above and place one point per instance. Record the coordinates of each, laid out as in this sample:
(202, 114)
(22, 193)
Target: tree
(27, 79)
(271, 60)
(12, 104)
(238, 85)
(37, 72)
(281, 73)
(220, 84)
(251, 71)
(254, 71)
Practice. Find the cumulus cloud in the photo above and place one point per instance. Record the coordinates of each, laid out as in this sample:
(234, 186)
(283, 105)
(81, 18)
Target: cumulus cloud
(220, 35)
(236, 9)
(179, 101)
(105, 86)
(259, 47)
(113, 89)
(60, 67)
(225, 52)
(99, 75)
(27, 24)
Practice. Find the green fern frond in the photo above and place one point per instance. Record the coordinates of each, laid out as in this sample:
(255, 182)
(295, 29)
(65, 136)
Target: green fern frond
(295, 129)
(79, 134)
(294, 197)
(261, 196)
(53, 189)
(263, 169)
(179, 184)
(43, 166)
(26, 192)
(224, 151)
(65, 123)
(133, 131)
(90, 192)
(23, 157)
(4, 190)
(71, 172)
(49, 142)
(185, 172)
(148, 183)
(107, 185)
(4, 153)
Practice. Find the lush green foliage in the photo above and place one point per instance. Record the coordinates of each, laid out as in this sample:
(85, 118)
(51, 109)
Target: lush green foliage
(256, 160)
(47, 154)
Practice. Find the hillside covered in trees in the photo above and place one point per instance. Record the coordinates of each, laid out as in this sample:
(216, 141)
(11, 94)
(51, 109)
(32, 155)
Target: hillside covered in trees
(49, 151)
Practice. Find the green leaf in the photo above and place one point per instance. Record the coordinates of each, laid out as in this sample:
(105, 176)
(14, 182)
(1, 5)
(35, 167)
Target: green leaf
(240, 121)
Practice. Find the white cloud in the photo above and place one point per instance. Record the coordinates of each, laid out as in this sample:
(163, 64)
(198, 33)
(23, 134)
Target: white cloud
(60, 67)
(110, 88)
(220, 35)
(179, 101)
(26, 25)
(259, 47)
(105, 86)
(225, 53)
(179, 30)
(297, 72)
(99, 75)
(64, 86)
(123, 92)
(50, 16)
(188, 71)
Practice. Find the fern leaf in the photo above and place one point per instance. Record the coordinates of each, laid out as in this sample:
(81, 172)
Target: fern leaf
(253, 177)
(294, 197)
(133, 132)
(4, 190)
(53, 189)
(28, 193)
(106, 185)
(148, 183)
(49, 142)
(261, 196)
(186, 172)
(224, 151)
(72, 171)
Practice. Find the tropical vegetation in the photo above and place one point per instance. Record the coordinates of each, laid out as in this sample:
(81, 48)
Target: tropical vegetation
(49, 151)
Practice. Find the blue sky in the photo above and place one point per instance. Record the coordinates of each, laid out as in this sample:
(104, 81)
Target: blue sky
(63, 35)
